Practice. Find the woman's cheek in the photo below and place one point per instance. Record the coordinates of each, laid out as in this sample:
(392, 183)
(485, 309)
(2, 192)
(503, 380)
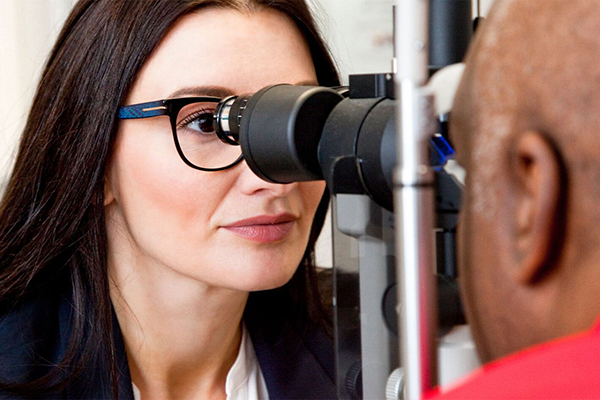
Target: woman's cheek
(153, 181)
(312, 195)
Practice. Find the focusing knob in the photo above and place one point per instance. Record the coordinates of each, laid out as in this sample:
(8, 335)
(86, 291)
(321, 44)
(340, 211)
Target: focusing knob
(354, 381)
(394, 389)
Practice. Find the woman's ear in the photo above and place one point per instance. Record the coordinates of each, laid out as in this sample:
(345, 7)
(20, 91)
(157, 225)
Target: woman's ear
(537, 186)
(108, 192)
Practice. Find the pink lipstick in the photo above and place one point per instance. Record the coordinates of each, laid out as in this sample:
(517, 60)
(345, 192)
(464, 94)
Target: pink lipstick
(263, 228)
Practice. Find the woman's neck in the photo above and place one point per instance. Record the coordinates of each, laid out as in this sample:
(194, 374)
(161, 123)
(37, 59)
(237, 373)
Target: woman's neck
(181, 335)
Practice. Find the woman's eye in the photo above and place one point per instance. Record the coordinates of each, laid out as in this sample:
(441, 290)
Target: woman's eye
(201, 123)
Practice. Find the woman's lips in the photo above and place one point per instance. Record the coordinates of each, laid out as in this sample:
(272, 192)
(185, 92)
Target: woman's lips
(264, 228)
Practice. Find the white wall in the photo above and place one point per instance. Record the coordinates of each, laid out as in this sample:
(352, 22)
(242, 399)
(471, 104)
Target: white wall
(359, 33)
(28, 29)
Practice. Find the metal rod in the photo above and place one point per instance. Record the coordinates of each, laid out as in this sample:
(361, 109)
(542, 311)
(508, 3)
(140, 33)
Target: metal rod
(411, 40)
(413, 201)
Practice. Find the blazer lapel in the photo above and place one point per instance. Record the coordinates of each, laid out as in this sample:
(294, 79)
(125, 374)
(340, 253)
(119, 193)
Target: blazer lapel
(294, 367)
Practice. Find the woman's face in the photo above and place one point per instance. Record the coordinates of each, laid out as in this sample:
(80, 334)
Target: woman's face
(163, 215)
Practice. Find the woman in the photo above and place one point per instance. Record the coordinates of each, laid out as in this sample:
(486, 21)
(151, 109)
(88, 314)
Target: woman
(136, 257)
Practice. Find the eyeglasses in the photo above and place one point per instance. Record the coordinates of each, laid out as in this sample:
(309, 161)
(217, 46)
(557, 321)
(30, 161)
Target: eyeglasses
(197, 143)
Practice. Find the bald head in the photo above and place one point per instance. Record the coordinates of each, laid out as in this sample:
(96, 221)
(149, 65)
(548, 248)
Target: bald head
(524, 124)
(536, 65)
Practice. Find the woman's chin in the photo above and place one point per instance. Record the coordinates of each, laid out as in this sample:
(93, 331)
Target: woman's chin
(263, 271)
(253, 272)
(265, 281)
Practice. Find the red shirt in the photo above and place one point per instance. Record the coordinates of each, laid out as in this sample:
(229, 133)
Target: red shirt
(566, 368)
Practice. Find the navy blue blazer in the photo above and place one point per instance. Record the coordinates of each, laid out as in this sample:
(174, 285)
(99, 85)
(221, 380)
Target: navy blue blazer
(34, 336)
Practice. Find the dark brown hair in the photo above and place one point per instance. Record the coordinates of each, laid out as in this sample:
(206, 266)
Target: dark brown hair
(52, 227)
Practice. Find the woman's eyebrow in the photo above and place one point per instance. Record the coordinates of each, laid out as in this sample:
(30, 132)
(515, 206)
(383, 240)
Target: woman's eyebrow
(220, 91)
(213, 91)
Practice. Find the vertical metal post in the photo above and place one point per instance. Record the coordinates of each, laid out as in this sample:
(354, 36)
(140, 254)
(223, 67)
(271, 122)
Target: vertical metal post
(413, 202)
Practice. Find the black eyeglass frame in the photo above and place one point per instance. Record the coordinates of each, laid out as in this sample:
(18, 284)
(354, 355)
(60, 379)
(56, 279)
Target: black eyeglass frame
(171, 108)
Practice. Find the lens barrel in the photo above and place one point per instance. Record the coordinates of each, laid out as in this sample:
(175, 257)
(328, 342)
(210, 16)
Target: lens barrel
(286, 123)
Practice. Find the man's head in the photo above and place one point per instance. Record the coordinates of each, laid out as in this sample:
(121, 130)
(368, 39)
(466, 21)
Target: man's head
(526, 126)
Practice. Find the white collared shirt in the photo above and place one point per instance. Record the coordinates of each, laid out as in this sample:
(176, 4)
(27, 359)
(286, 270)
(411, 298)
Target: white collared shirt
(244, 380)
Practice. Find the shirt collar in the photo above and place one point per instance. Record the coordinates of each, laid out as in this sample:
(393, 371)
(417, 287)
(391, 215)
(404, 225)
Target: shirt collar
(242, 367)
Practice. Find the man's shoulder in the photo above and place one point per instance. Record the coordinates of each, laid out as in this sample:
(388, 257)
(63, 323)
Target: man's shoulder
(566, 368)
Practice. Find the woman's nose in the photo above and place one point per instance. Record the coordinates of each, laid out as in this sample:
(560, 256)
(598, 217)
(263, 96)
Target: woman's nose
(250, 184)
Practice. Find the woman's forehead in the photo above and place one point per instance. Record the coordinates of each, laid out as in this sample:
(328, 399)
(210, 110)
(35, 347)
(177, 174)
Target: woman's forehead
(241, 52)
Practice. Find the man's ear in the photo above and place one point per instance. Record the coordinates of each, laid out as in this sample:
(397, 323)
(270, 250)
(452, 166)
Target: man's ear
(537, 187)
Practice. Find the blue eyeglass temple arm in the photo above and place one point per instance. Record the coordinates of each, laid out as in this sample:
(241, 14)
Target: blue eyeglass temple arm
(143, 110)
